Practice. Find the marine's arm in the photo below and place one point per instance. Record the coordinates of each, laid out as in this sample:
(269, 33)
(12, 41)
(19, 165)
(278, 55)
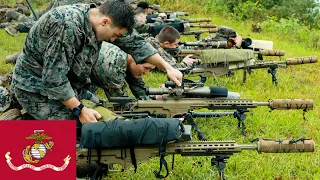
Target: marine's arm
(143, 51)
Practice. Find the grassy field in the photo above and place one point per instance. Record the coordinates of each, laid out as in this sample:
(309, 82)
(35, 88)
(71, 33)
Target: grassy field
(294, 82)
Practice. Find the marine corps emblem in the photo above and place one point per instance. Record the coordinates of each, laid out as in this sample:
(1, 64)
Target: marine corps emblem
(34, 153)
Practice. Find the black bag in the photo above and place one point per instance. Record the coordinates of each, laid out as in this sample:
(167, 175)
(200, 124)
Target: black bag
(123, 133)
(126, 134)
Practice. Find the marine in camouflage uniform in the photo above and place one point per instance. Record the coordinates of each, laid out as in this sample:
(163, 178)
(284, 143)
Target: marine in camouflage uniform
(165, 55)
(19, 7)
(25, 23)
(142, 27)
(58, 57)
(110, 73)
(223, 34)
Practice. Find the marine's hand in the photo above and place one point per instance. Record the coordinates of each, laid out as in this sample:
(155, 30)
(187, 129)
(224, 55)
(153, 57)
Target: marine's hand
(162, 15)
(175, 76)
(188, 60)
(237, 40)
(88, 115)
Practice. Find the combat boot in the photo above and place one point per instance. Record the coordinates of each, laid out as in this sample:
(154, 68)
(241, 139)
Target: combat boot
(14, 15)
(11, 30)
(11, 15)
(20, 8)
(12, 58)
(5, 80)
(4, 25)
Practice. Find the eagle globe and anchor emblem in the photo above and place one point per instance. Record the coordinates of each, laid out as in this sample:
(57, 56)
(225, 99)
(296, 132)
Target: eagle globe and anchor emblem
(34, 153)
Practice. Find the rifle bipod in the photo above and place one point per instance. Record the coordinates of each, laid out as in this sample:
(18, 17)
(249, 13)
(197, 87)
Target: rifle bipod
(273, 71)
(241, 116)
(197, 36)
(188, 117)
(220, 161)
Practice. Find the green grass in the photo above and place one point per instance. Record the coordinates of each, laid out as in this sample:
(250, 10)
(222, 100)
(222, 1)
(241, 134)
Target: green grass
(294, 82)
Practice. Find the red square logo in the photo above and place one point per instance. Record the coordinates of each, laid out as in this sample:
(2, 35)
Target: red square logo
(44, 149)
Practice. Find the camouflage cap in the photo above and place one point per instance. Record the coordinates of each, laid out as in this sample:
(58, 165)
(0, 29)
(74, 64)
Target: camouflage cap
(5, 99)
(226, 31)
(223, 34)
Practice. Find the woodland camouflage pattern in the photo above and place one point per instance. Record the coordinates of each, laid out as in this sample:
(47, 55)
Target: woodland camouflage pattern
(110, 73)
(25, 23)
(59, 53)
(223, 34)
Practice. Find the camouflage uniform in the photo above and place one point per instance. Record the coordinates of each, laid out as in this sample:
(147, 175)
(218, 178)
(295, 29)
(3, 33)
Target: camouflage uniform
(110, 73)
(223, 34)
(145, 27)
(19, 7)
(166, 56)
(58, 56)
(142, 27)
(25, 23)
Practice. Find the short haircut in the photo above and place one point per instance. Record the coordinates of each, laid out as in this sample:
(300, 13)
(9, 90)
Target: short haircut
(168, 33)
(120, 12)
(143, 5)
(139, 10)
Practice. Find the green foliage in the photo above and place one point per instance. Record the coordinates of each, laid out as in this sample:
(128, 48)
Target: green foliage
(34, 3)
(8, 2)
(291, 29)
(250, 10)
(306, 12)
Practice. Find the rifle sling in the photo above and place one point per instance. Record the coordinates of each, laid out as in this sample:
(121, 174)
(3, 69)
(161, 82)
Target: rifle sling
(131, 147)
(162, 152)
(100, 171)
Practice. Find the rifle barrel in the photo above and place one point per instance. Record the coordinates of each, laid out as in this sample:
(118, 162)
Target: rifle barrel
(198, 20)
(218, 44)
(204, 25)
(271, 52)
(302, 60)
(213, 30)
(211, 114)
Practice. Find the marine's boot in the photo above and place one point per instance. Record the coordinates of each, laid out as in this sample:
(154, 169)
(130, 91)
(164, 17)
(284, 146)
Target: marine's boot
(14, 15)
(12, 58)
(4, 25)
(20, 8)
(11, 30)
(5, 79)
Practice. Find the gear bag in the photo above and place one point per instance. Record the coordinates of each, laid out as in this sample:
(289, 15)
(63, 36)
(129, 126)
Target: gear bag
(119, 133)
(126, 134)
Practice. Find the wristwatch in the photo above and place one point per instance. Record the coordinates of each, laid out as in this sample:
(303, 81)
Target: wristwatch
(77, 110)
